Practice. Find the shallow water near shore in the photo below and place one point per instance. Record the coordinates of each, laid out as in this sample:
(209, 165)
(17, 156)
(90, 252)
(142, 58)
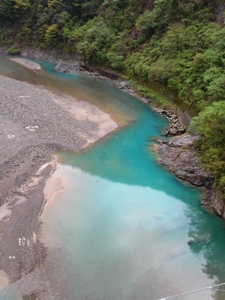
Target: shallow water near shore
(123, 227)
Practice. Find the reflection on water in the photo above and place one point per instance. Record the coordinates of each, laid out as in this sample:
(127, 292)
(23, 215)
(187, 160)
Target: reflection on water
(124, 228)
(206, 239)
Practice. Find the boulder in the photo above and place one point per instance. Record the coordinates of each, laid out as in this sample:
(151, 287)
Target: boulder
(72, 67)
(218, 204)
(179, 156)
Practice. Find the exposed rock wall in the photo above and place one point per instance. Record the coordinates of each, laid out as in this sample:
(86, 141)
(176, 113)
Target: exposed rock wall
(179, 156)
(71, 67)
(220, 13)
(52, 56)
(175, 127)
(184, 117)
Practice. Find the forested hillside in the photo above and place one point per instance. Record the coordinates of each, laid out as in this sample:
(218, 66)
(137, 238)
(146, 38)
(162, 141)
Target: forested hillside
(177, 43)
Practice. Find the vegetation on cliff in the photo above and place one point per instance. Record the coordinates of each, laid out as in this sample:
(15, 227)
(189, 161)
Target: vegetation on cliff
(177, 43)
(210, 125)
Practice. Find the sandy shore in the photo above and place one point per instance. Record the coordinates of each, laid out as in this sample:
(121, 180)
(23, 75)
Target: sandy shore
(35, 123)
(27, 63)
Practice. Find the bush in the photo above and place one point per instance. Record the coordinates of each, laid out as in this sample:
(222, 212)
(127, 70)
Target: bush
(13, 50)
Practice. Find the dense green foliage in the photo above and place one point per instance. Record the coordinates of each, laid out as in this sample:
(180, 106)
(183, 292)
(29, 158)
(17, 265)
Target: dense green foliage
(177, 43)
(210, 125)
(13, 50)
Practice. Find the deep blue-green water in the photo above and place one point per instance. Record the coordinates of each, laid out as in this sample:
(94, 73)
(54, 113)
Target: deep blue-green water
(123, 227)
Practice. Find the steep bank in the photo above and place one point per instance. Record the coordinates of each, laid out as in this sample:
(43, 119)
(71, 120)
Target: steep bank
(179, 156)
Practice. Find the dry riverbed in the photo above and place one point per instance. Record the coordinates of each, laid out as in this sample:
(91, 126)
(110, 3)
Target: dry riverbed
(35, 123)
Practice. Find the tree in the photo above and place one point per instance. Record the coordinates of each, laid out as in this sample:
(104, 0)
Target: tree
(6, 10)
(22, 5)
(51, 35)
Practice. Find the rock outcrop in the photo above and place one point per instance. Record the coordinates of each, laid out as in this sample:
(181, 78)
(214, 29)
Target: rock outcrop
(175, 127)
(71, 67)
(126, 87)
(179, 156)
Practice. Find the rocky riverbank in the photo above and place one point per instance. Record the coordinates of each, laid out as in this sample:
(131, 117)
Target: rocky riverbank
(175, 126)
(179, 156)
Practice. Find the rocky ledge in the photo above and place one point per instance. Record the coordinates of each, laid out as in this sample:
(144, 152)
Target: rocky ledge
(175, 127)
(179, 156)
(72, 67)
(126, 87)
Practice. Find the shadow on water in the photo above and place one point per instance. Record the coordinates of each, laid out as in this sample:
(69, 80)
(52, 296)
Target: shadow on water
(206, 239)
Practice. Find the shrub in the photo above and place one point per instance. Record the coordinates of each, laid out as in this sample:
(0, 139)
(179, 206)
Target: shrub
(13, 50)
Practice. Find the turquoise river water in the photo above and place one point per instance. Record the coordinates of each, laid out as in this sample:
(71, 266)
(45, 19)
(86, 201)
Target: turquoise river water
(123, 227)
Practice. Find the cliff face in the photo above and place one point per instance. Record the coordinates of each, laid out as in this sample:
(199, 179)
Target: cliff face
(220, 13)
(179, 156)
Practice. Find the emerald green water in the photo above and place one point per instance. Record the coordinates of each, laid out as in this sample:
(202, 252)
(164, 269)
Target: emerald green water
(123, 227)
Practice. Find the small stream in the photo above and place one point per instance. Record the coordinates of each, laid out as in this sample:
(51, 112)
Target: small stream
(123, 227)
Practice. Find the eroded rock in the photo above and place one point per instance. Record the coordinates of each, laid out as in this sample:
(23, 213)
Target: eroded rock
(72, 67)
(218, 204)
(179, 156)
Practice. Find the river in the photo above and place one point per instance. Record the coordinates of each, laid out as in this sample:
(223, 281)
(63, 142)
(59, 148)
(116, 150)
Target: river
(123, 227)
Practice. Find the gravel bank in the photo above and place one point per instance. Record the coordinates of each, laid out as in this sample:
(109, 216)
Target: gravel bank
(35, 123)
(27, 63)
